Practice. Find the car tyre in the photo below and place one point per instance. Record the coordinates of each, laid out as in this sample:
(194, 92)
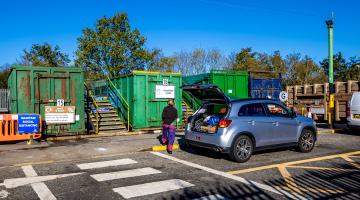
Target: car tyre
(242, 149)
(306, 141)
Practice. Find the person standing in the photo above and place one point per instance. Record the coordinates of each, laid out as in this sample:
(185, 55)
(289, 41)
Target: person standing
(169, 115)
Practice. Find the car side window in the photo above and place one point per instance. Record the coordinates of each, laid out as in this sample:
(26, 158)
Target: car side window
(253, 110)
(276, 110)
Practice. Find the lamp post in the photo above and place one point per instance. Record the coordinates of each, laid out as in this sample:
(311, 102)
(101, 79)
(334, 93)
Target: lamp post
(329, 24)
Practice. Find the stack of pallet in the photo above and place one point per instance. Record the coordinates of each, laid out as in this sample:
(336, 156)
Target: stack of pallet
(316, 97)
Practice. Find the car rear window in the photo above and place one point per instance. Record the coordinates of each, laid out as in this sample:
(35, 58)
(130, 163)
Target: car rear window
(355, 100)
(254, 109)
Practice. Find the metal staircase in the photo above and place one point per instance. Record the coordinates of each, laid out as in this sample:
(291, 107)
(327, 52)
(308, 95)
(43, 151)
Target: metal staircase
(105, 117)
(187, 111)
(102, 116)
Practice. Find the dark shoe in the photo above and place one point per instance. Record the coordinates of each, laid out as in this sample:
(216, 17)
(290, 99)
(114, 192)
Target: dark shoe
(169, 152)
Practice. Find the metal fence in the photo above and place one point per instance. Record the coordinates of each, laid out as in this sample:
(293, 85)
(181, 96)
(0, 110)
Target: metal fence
(4, 100)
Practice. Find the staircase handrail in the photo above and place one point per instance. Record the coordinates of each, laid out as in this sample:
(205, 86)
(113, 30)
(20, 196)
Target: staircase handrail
(191, 101)
(124, 100)
(96, 108)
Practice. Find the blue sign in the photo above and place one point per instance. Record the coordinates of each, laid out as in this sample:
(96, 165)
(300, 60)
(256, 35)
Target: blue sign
(28, 123)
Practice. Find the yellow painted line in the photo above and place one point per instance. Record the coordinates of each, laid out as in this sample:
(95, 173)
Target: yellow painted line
(253, 169)
(163, 147)
(290, 182)
(354, 156)
(351, 161)
(294, 162)
(322, 168)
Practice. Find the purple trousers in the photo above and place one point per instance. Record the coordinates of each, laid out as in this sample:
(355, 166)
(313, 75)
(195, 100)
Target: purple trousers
(168, 136)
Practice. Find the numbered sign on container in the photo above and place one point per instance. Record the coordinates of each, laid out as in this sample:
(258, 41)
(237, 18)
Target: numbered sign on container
(60, 102)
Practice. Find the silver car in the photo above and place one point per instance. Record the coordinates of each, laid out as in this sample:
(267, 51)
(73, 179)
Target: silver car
(240, 127)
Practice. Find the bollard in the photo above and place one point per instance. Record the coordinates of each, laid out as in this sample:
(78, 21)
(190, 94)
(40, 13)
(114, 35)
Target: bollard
(329, 120)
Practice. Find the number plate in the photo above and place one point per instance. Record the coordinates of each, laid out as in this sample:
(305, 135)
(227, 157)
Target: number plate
(356, 116)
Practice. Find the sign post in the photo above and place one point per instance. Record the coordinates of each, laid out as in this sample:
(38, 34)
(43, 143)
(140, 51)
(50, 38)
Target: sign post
(329, 24)
(283, 96)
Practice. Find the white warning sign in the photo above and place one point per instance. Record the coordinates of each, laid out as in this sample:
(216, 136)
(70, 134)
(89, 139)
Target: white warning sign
(165, 92)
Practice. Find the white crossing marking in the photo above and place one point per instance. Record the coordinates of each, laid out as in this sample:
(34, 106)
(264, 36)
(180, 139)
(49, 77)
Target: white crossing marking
(212, 197)
(233, 177)
(108, 163)
(17, 182)
(40, 188)
(125, 174)
(151, 188)
(29, 171)
(4, 194)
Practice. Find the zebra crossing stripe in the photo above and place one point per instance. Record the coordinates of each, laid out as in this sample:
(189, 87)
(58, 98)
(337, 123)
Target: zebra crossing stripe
(40, 188)
(151, 188)
(109, 163)
(212, 197)
(125, 174)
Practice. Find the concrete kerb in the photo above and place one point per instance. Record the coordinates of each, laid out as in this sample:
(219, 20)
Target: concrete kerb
(77, 137)
(124, 133)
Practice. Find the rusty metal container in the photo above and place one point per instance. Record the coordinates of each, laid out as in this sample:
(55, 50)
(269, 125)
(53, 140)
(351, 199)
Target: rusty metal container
(33, 88)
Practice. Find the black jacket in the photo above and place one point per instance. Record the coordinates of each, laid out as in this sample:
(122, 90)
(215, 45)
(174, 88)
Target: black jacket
(169, 115)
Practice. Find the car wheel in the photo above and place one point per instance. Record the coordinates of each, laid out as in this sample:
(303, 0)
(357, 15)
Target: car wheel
(306, 141)
(242, 149)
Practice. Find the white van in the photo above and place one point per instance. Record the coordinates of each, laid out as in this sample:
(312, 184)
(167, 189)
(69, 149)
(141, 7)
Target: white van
(353, 113)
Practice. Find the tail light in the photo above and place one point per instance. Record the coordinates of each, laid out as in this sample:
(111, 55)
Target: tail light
(224, 123)
(348, 111)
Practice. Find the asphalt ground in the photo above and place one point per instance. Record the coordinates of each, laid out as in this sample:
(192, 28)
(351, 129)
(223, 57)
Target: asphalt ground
(330, 171)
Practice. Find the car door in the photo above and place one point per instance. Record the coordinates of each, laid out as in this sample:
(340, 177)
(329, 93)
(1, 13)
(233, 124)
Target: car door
(284, 126)
(252, 117)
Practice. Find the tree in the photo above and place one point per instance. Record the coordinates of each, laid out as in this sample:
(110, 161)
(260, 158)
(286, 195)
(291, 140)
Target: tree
(112, 48)
(215, 59)
(44, 55)
(340, 67)
(198, 61)
(354, 68)
(4, 73)
(191, 62)
(161, 63)
(277, 63)
(302, 70)
(183, 62)
(245, 60)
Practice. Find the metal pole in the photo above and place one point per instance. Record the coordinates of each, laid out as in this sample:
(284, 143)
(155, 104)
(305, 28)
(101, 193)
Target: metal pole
(329, 24)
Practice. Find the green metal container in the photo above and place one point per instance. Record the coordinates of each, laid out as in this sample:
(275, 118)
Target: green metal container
(33, 88)
(141, 89)
(232, 82)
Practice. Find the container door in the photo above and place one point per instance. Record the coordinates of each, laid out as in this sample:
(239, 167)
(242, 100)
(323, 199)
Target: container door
(69, 86)
(42, 90)
(23, 93)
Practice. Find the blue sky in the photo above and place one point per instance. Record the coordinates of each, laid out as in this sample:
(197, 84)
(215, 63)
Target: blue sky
(228, 25)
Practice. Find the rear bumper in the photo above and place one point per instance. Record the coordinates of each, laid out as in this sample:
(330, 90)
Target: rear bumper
(353, 122)
(207, 146)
